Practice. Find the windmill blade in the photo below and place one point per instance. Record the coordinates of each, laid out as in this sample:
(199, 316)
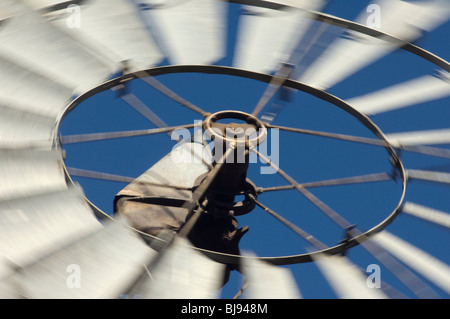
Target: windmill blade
(99, 265)
(347, 281)
(18, 126)
(267, 37)
(349, 54)
(188, 32)
(431, 176)
(182, 272)
(419, 90)
(29, 172)
(266, 281)
(428, 266)
(26, 90)
(426, 213)
(33, 226)
(8, 289)
(426, 137)
(111, 28)
(50, 50)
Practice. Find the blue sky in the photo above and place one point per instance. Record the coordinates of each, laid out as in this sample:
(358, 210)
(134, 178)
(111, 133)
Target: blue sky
(306, 158)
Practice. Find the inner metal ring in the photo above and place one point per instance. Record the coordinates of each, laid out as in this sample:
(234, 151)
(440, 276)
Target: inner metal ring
(213, 132)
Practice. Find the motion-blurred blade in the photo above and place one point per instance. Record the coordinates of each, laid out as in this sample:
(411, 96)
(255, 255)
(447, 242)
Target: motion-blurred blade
(428, 266)
(102, 264)
(45, 4)
(426, 213)
(426, 137)
(8, 289)
(18, 127)
(267, 37)
(419, 90)
(29, 172)
(188, 32)
(111, 28)
(26, 90)
(437, 177)
(183, 272)
(345, 278)
(50, 50)
(352, 52)
(266, 281)
(31, 227)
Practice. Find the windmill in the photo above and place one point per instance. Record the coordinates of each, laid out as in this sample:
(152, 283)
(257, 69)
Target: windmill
(175, 229)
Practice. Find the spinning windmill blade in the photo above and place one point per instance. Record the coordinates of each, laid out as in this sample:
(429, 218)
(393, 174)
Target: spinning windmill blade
(174, 231)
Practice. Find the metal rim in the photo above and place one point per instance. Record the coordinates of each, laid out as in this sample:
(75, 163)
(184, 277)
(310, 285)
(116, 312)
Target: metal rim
(325, 96)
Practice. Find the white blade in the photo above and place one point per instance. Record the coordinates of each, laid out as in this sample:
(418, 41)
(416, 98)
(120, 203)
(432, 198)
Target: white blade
(266, 281)
(114, 30)
(438, 177)
(49, 50)
(183, 272)
(426, 213)
(425, 264)
(27, 90)
(419, 90)
(32, 226)
(404, 20)
(18, 126)
(29, 172)
(347, 281)
(427, 137)
(103, 264)
(189, 32)
(267, 37)
(40, 4)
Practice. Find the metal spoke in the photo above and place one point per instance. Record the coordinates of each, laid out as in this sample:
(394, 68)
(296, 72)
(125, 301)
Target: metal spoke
(150, 80)
(416, 285)
(115, 178)
(378, 177)
(79, 138)
(334, 216)
(308, 237)
(345, 137)
(139, 106)
(407, 277)
(285, 71)
(426, 150)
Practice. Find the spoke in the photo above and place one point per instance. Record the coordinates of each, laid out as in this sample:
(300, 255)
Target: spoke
(143, 109)
(334, 216)
(79, 138)
(150, 80)
(272, 89)
(285, 71)
(401, 272)
(407, 277)
(378, 177)
(115, 178)
(351, 138)
(426, 150)
(241, 291)
(308, 237)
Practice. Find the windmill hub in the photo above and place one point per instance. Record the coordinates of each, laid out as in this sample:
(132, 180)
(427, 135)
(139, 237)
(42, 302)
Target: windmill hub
(235, 129)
